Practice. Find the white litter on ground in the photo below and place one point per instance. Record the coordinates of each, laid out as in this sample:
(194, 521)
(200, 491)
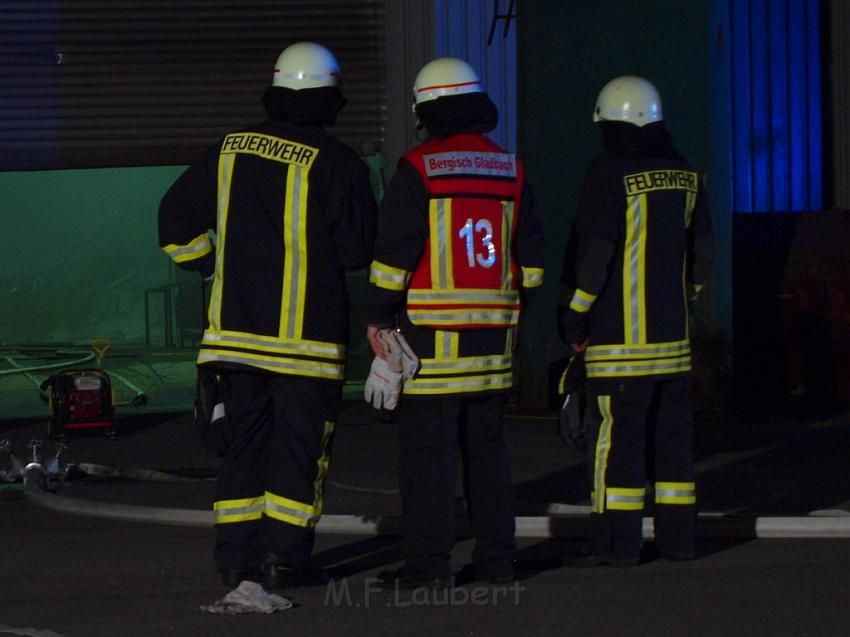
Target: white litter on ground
(248, 597)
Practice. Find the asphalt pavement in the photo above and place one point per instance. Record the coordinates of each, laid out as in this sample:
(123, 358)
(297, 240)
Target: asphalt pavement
(81, 576)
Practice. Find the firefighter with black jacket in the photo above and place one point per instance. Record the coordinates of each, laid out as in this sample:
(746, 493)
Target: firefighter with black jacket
(292, 209)
(458, 243)
(638, 252)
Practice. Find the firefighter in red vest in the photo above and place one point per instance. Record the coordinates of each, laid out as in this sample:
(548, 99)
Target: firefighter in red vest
(639, 248)
(458, 248)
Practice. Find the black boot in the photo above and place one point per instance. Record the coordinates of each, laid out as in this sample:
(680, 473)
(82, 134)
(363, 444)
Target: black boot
(279, 576)
(405, 579)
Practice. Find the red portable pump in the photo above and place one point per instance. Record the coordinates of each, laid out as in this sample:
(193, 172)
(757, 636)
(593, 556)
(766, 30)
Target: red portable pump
(79, 399)
(85, 398)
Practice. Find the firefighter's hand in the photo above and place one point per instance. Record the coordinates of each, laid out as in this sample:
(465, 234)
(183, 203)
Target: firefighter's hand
(383, 385)
(400, 356)
(579, 347)
(374, 342)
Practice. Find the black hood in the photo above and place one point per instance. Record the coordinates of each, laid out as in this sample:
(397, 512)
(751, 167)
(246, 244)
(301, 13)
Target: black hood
(306, 106)
(628, 140)
(452, 114)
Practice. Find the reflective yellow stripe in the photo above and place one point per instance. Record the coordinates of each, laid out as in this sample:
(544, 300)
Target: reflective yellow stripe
(603, 449)
(195, 249)
(448, 317)
(445, 349)
(290, 511)
(323, 463)
(295, 257)
(634, 271)
(463, 296)
(624, 499)
(641, 272)
(455, 385)
(690, 203)
(225, 177)
(440, 214)
(318, 359)
(387, 277)
(492, 307)
(451, 364)
(244, 510)
(532, 277)
(562, 381)
(582, 301)
(280, 365)
(639, 368)
(272, 345)
(638, 359)
(507, 231)
(675, 493)
(645, 351)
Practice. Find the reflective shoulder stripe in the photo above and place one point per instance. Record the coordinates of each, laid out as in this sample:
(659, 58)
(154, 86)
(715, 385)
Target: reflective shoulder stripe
(387, 277)
(532, 277)
(195, 249)
(582, 301)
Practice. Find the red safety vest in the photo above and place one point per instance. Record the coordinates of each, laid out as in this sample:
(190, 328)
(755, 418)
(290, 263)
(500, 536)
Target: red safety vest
(468, 276)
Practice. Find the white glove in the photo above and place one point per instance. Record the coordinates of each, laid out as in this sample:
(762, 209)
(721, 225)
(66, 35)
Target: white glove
(400, 357)
(383, 385)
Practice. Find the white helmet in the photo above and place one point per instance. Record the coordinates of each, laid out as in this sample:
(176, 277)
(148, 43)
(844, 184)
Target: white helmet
(305, 65)
(445, 76)
(628, 99)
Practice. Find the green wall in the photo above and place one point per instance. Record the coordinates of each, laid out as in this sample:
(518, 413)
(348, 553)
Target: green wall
(568, 51)
(80, 258)
(79, 250)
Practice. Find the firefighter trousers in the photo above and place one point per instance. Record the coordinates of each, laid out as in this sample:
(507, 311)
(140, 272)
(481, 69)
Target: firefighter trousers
(432, 431)
(641, 432)
(270, 484)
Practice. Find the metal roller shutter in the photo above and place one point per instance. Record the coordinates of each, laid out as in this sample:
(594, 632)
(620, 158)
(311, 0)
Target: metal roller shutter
(117, 83)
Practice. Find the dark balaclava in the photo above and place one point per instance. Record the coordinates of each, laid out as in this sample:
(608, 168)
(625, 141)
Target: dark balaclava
(648, 141)
(307, 106)
(452, 114)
